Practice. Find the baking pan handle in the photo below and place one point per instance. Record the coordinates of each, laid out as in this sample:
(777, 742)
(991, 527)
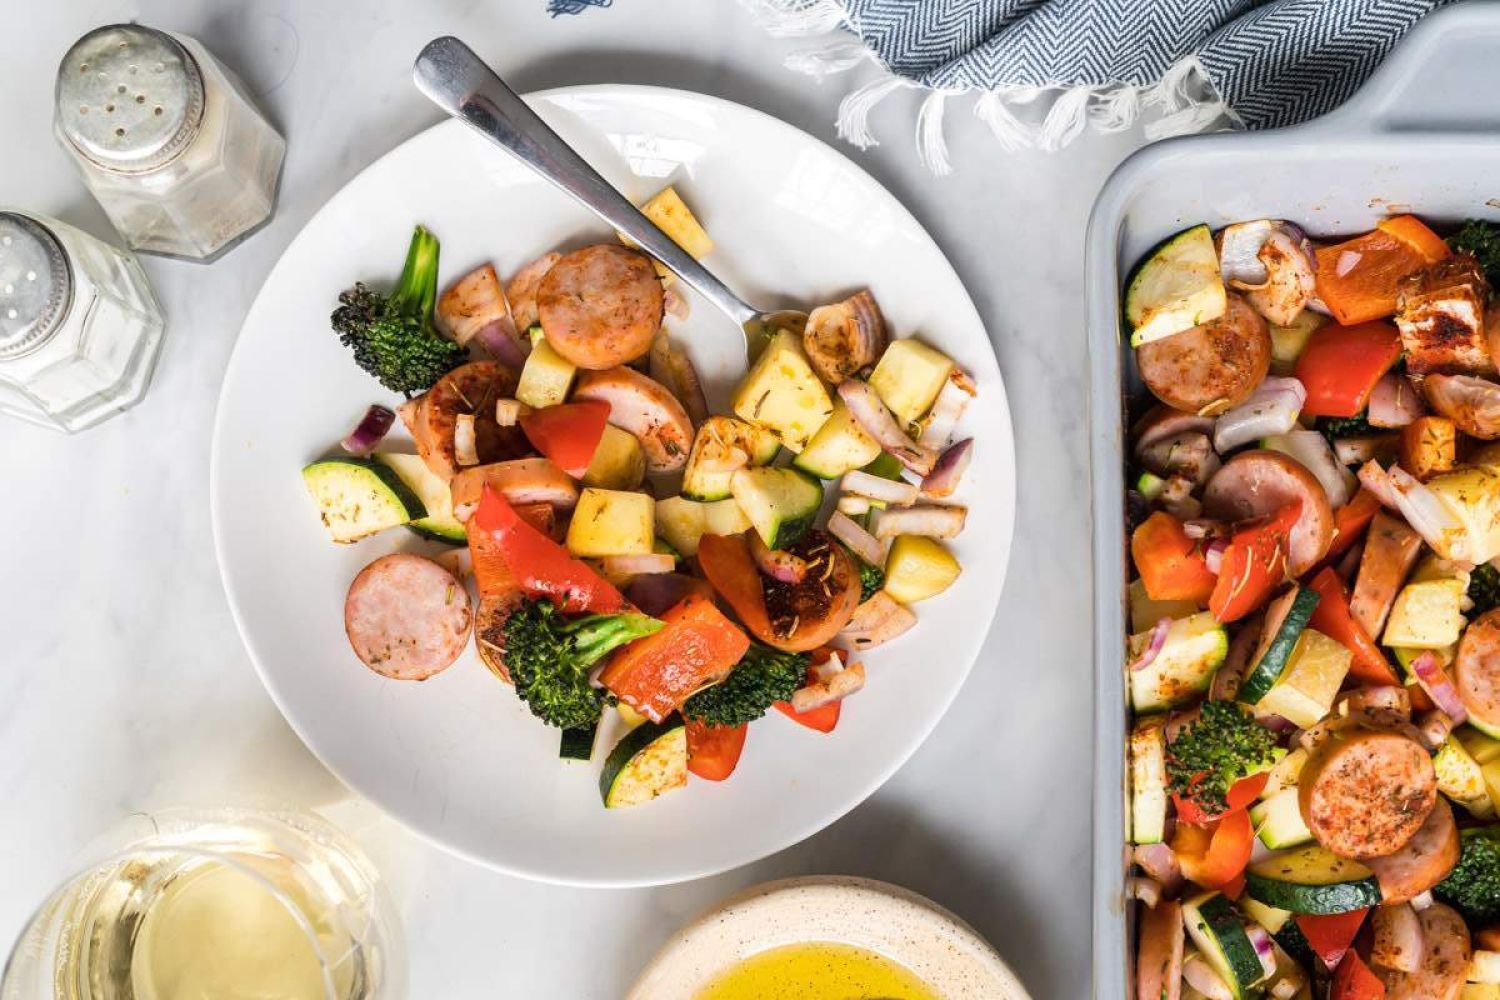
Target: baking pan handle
(1442, 77)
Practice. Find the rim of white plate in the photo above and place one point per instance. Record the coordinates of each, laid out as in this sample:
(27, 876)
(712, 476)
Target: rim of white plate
(916, 737)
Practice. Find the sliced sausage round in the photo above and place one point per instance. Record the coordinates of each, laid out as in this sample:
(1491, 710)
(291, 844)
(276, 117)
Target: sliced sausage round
(1446, 953)
(1423, 862)
(806, 615)
(407, 617)
(600, 306)
(1164, 422)
(1365, 793)
(472, 388)
(1211, 367)
(644, 407)
(1476, 671)
(1258, 484)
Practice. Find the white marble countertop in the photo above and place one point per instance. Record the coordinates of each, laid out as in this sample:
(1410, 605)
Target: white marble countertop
(123, 684)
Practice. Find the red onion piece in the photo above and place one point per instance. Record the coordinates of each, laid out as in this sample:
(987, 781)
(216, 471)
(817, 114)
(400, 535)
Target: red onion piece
(952, 399)
(500, 339)
(1146, 890)
(637, 565)
(1201, 528)
(777, 564)
(654, 593)
(465, 440)
(933, 521)
(896, 491)
(1213, 555)
(1260, 940)
(1423, 510)
(1239, 252)
(1434, 727)
(1394, 402)
(1372, 448)
(1396, 939)
(674, 303)
(1159, 862)
(860, 541)
(1434, 680)
(1204, 979)
(1271, 409)
(949, 470)
(870, 412)
(370, 430)
(1276, 723)
(877, 621)
(1154, 645)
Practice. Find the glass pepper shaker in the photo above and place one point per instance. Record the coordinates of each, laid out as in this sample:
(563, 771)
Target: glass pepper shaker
(79, 326)
(167, 140)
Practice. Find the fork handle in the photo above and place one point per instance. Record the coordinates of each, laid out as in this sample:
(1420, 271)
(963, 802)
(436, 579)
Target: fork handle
(458, 81)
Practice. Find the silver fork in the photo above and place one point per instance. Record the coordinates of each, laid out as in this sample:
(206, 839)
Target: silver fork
(458, 81)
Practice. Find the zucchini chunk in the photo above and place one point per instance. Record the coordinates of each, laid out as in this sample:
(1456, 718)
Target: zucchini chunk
(1312, 880)
(1148, 781)
(841, 445)
(649, 760)
(780, 503)
(357, 497)
(1220, 936)
(1278, 821)
(1287, 616)
(706, 477)
(1184, 667)
(439, 525)
(1177, 287)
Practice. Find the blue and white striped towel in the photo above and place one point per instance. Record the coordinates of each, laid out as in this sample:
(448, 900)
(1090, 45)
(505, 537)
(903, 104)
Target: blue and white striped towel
(1044, 70)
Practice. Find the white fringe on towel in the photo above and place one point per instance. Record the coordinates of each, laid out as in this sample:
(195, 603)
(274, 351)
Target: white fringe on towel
(1021, 117)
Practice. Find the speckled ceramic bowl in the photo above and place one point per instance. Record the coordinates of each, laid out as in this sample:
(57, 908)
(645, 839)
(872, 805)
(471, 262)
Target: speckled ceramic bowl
(939, 948)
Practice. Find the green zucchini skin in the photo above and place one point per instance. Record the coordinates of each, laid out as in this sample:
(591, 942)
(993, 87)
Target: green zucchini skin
(1268, 669)
(649, 760)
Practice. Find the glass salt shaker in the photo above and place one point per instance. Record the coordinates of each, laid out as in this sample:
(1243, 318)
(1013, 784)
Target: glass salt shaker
(167, 140)
(79, 326)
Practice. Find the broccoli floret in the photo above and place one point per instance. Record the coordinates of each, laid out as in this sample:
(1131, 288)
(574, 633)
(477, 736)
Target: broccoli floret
(549, 657)
(871, 579)
(1482, 239)
(393, 337)
(1334, 428)
(1223, 745)
(1473, 886)
(1484, 589)
(763, 677)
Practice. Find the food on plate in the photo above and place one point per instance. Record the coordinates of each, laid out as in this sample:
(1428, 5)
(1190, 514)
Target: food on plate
(649, 577)
(1314, 652)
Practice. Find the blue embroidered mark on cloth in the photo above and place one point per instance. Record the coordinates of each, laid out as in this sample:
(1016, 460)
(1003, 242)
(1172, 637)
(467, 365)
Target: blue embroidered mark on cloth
(556, 7)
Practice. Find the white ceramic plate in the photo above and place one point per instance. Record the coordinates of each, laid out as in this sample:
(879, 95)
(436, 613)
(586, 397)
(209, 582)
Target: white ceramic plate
(458, 758)
(947, 954)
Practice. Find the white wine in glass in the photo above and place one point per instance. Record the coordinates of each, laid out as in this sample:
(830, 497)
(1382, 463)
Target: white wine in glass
(214, 905)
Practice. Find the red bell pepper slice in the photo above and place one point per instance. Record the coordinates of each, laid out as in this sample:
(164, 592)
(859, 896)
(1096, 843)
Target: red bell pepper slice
(1253, 565)
(1350, 522)
(1355, 981)
(541, 567)
(714, 751)
(1332, 618)
(697, 646)
(823, 718)
(491, 571)
(1171, 566)
(725, 561)
(568, 433)
(1341, 364)
(1330, 936)
(1241, 795)
(1213, 855)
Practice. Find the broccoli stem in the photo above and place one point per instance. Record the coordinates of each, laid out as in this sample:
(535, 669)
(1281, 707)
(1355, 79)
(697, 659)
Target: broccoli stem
(416, 292)
(596, 636)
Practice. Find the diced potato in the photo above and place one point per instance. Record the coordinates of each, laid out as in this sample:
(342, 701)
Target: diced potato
(619, 463)
(672, 216)
(909, 377)
(1305, 691)
(546, 377)
(1480, 991)
(1287, 342)
(1144, 612)
(1426, 615)
(1473, 495)
(1429, 445)
(782, 393)
(1460, 778)
(1482, 748)
(917, 568)
(611, 523)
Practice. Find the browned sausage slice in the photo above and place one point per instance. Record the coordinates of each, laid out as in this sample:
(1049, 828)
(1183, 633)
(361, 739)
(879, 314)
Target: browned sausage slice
(1446, 953)
(407, 617)
(1477, 668)
(1212, 367)
(1365, 794)
(522, 288)
(1391, 550)
(471, 388)
(1260, 483)
(600, 306)
(1158, 963)
(520, 481)
(1425, 861)
(646, 408)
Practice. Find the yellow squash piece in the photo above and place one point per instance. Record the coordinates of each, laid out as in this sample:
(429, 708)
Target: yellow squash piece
(612, 523)
(909, 377)
(1305, 690)
(782, 394)
(672, 216)
(619, 463)
(917, 568)
(1426, 615)
(546, 377)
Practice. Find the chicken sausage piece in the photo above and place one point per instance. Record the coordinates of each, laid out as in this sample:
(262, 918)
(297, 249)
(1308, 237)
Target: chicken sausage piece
(1473, 404)
(1365, 793)
(520, 481)
(1476, 671)
(1258, 484)
(1391, 550)
(1425, 861)
(407, 617)
(1446, 953)
(472, 303)
(1211, 367)
(471, 388)
(645, 408)
(522, 288)
(600, 306)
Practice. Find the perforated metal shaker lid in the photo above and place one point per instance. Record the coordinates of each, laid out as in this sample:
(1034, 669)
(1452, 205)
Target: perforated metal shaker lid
(36, 284)
(129, 98)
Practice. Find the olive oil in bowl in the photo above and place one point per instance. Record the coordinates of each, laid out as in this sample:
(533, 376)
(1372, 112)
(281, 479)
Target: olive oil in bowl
(819, 970)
